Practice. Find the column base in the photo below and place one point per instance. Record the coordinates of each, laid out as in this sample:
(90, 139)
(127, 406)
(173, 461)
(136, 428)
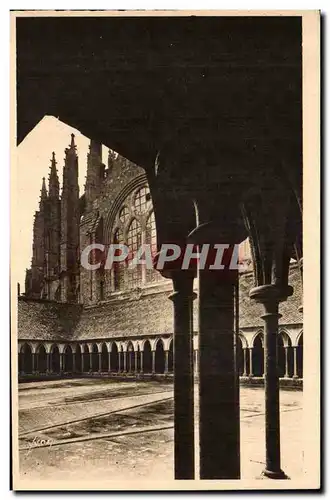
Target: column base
(269, 474)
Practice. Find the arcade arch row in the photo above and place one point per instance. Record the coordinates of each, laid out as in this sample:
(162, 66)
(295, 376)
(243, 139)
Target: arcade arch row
(150, 356)
(147, 356)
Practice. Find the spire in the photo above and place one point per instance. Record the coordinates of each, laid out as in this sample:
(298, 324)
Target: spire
(43, 193)
(54, 185)
(72, 145)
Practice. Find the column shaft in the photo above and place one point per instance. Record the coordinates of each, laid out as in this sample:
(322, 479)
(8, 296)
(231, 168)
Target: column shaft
(244, 362)
(153, 353)
(184, 452)
(100, 361)
(166, 362)
(272, 397)
(295, 370)
(82, 362)
(286, 374)
(141, 361)
(251, 361)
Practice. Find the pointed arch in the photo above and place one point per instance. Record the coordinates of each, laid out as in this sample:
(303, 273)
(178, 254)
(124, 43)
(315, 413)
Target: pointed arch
(41, 355)
(68, 359)
(114, 357)
(77, 355)
(55, 358)
(159, 357)
(258, 356)
(95, 358)
(104, 358)
(147, 357)
(87, 364)
(26, 358)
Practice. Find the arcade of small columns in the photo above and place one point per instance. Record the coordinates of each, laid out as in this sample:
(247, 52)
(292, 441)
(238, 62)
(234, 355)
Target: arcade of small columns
(155, 356)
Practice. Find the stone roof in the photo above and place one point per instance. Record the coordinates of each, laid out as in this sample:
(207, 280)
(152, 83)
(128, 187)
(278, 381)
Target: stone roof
(250, 311)
(150, 314)
(45, 320)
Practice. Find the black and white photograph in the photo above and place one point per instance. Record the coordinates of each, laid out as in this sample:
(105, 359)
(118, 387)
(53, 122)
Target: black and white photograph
(165, 255)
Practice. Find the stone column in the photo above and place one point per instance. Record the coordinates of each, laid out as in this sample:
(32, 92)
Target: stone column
(286, 374)
(153, 369)
(109, 361)
(119, 361)
(34, 361)
(182, 298)
(91, 360)
(61, 362)
(125, 361)
(141, 361)
(74, 362)
(100, 361)
(48, 362)
(166, 362)
(251, 361)
(295, 370)
(82, 362)
(135, 361)
(245, 362)
(270, 296)
(218, 381)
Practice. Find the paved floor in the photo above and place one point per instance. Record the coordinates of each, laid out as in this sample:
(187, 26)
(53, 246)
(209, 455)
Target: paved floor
(124, 430)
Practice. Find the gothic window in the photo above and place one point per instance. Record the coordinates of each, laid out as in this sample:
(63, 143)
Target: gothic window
(124, 214)
(151, 274)
(134, 240)
(119, 267)
(142, 200)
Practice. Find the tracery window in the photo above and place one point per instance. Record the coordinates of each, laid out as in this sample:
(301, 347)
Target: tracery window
(119, 267)
(124, 214)
(142, 200)
(135, 226)
(151, 239)
(134, 240)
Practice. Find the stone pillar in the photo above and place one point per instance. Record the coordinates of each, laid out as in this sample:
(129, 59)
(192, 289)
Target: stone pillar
(119, 361)
(141, 361)
(166, 362)
(91, 360)
(100, 361)
(270, 296)
(82, 362)
(218, 381)
(135, 361)
(184, 452)
(109, 361)
(295, 370)
(286, 374)
(245, 371)
(251, 361)
(34, 361)
(61, 362)
(153, 354)
(74, 362)
(125, 361)
(48, 362)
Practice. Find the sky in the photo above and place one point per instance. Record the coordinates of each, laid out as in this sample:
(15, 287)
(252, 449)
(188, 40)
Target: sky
(32, 163)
